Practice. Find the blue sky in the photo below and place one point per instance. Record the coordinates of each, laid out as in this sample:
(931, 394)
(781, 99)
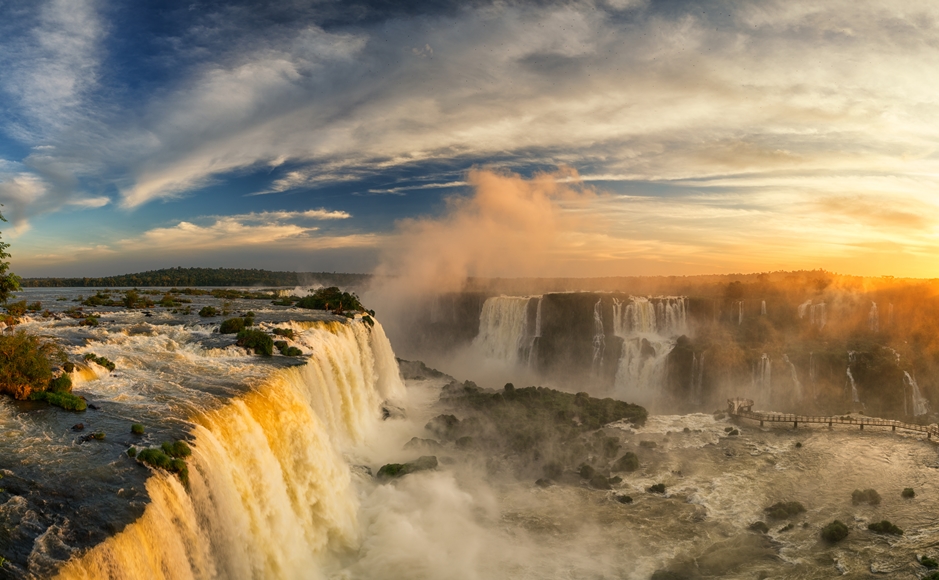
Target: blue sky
(707, 136)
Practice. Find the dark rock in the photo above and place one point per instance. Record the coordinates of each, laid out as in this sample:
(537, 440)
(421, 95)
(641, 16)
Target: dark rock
(784, 509)
(835, 531)
(443, 426)
(623, 499)
(628, 462)
(586, 471)
(648, 444)
(78, 427)
(599, 482)
(868, 496)
(544, 482)
(93, 407)
(418, 444)
(760, 527)
(395, 470)
(657, 488)
(885, 527)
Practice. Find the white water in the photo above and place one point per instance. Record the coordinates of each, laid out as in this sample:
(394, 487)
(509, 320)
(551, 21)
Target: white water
(640, 315)
(599, 338)
(817, 313)
(920, 403)
(503, 328)
(766, 377)
(763, 308)
(795, 378)
(533, 347)
(651, 322)
(854, 394)
(269, 493)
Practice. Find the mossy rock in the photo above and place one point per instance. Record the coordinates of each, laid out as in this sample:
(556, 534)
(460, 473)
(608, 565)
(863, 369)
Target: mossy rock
(208, 311)
(67, 401)
(908, 493)
(868, 496)
(885, 527)
(784, 509)
(759, 527)
(628, 462)
(137, 429)
(395, 470)
(835, 531)
(61, 384)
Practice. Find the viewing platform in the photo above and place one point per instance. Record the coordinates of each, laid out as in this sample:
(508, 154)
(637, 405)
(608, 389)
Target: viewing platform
(743, 408)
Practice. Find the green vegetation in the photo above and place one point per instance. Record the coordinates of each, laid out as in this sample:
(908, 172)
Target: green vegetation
(256, 340)
(908, 493)
(885, 527)
(99, 360)
(178, 449)
(929, 563)
(395, 470)
(67, 401)
(285, 332)
(34, 306)
(868, 496)
(26, 364)
(132, 452)
(137, 429)
(89, 321)
(835, 531)
(207, 311)
(656, 488)
(333, 299)
(233, 325)
(177, 277)
(933, 576)
(157, 458)
(286, 350)
(9, 282)
(61, 384)
(784, 509)
(16, 308)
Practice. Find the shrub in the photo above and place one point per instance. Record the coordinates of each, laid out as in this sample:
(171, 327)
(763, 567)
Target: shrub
(17, 308)
(154, 457)
(137, 429)
(331, 298)
(291, 351)
(908, 493)
(177, 449)
(657, 488)
(68, 367)
(885, 527)
(89, 321)
(232, 326)
(26, 363)
(132, 452)
(784, 509)
(835, 531)
(99, 360)
(61, 384)
(628, 462)
(285, 332)
(34, 307)
(868, 496)
(208, 311)
(67, 401)
(929, 563)
(256, 340)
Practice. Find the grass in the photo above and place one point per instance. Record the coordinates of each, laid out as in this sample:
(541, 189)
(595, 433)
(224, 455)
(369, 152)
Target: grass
(67, 401)
(137, 429)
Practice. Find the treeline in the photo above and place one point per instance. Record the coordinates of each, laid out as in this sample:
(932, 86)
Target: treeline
(177, 277)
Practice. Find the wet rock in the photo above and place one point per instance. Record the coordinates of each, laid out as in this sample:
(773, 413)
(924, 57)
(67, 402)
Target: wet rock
(623, 499)
(544, 482)
(586, 471)
(628, 462)
(759, 527)
(656, 488)
(418, 444)
(443, 426)
(599, 482)
(389, 411)
(78, 427)
(395, 470)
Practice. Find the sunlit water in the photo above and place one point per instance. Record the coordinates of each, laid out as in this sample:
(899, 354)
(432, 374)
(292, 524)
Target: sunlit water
(280, 484)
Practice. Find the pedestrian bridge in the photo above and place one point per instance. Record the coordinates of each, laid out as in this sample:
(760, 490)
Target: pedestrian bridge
(743, 408)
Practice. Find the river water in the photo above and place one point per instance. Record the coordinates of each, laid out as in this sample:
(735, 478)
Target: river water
(283, 448)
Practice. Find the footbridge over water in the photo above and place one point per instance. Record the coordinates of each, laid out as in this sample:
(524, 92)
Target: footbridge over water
(743, 408)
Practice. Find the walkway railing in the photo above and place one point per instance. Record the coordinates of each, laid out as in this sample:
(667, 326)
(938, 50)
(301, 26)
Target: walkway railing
(743, 408)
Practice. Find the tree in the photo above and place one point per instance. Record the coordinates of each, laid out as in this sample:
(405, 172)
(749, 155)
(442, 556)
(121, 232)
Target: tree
(9, 282)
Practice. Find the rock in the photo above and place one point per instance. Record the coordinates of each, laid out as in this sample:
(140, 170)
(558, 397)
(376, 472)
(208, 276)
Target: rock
(395, 470)
(586, 471)
(599, 482)
(78, 427)
(657, 488)
(443, 426)
(544, 482)
(418, 444)
(760, 527)
(623, 499)
(628, 462)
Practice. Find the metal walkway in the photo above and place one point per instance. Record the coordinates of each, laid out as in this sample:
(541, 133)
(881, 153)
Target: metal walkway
(743, 408)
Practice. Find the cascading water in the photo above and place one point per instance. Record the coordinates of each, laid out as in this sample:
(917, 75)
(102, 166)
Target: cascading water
(873, 318)
(819, 316)
(599, 338)
(795, 378)
(269, 491)
(740, 312)
(855, 398)
(766, 377)
(533, 347)
(803, 307)
(503, 329)
(640, 315)
(763, 308)
(813, 373)
(920, 403)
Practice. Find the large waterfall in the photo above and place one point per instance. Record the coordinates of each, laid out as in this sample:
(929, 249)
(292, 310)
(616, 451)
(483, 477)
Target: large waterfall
(269, 492)
(647, 327)
(503, 329)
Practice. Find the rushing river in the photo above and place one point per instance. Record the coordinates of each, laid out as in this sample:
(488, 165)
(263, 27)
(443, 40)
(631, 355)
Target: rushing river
(280, 481)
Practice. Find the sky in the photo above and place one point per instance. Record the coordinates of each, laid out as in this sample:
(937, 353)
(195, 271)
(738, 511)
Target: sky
(595, 138)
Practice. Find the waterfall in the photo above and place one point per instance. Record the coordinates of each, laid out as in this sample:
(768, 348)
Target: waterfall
(269, 493)
(763, 308)
(599, 338)
(890, 315)
(766, 376)
(665, 316)
(641, 370)
(697, 377)
(533, 347)
(854, 394)
(803, 307)
(920, 404)
(740, 312)
(813, 373)
(795, 377)
(503, 328)
(873, 318)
